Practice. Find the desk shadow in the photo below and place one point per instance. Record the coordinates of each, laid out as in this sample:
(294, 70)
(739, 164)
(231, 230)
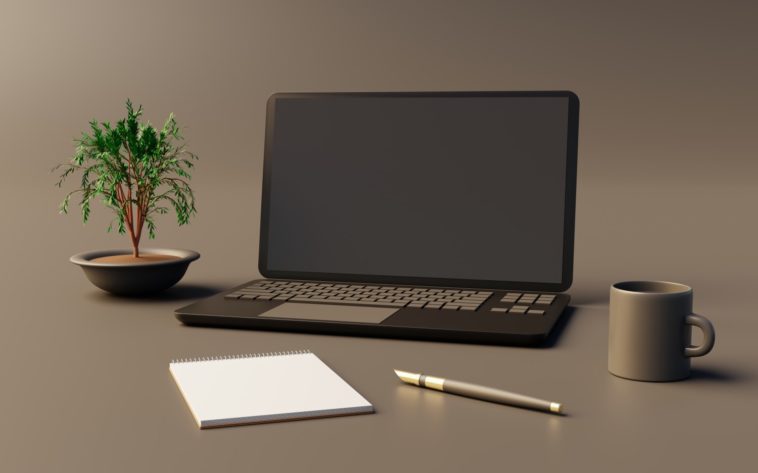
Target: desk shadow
(560, 326)
(717, 375)
(180, 292)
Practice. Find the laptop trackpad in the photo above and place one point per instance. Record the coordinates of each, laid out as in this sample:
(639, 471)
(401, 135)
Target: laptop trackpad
(336, 313)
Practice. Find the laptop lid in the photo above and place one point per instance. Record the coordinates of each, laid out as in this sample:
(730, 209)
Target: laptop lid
(460, 189)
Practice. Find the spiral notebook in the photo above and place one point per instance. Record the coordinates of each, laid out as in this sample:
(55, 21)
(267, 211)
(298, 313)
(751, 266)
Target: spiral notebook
(264, 387)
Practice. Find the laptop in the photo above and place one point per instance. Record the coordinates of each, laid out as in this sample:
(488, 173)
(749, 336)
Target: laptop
(425, 215)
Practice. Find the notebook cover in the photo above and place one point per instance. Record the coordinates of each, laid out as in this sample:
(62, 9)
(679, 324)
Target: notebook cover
(267, 387)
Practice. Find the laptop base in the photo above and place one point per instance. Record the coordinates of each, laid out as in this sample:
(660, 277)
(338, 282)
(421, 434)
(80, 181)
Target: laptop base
(503, 318)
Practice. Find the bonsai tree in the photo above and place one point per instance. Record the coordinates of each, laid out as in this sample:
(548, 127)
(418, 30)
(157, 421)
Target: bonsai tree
(137, 170)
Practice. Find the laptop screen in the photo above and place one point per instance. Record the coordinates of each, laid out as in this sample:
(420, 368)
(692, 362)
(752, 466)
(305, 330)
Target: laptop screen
(440, 189)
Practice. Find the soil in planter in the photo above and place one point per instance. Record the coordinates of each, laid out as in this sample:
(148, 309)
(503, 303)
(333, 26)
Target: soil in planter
(129, 259)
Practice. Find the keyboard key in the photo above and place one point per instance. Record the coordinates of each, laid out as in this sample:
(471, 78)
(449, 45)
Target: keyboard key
(475, 306)
(536, 311)
(518, 309)
(499, 309)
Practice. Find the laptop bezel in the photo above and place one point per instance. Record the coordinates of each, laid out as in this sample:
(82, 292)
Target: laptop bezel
(569, 199)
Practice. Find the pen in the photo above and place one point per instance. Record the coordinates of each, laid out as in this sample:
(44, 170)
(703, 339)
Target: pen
(479, 392)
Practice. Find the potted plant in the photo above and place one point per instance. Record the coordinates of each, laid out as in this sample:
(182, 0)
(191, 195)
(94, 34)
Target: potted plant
(139, 172)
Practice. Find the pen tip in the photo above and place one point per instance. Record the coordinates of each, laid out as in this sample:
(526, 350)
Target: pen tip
(410, 378)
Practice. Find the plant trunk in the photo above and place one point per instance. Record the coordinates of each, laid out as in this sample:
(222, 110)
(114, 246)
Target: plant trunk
(135, 241)
(125, 201)
(137, 232)
(134, 237)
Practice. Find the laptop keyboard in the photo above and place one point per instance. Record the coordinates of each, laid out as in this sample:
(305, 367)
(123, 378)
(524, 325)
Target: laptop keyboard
(356, 294)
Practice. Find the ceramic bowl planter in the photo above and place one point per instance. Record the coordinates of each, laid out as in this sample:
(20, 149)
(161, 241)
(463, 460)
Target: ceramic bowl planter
(161, 269)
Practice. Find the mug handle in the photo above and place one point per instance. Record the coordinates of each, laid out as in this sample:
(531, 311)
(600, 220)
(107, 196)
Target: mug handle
(709, 335)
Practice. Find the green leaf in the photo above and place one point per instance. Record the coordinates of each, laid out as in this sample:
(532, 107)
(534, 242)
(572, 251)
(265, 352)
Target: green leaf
(150, 228)
(85, 210)
(64, 205)
(121, 224)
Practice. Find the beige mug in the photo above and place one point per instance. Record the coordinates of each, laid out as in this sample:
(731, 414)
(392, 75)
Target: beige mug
(650, 331)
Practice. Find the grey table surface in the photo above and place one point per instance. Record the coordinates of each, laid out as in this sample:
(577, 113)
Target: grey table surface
(666, 190)
(86, 385)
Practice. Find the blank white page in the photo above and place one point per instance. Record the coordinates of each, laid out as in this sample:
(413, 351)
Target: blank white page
(264, 388)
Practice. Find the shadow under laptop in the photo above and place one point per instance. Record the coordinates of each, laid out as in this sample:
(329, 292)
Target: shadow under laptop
(180, 292)
(555, 334)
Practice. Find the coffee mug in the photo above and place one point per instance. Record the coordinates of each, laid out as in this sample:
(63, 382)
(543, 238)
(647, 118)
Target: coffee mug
(650, 331)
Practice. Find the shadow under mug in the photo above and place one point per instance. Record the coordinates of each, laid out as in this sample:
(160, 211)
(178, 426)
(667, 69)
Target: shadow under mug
(650, 334)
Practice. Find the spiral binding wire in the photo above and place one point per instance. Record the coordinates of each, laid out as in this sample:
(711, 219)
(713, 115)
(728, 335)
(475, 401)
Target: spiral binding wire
(236, 357)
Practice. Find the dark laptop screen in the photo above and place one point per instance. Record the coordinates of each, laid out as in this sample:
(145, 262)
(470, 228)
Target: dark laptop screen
(424, 187)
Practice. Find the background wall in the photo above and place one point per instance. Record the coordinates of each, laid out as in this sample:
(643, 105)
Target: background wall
(668, 117)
